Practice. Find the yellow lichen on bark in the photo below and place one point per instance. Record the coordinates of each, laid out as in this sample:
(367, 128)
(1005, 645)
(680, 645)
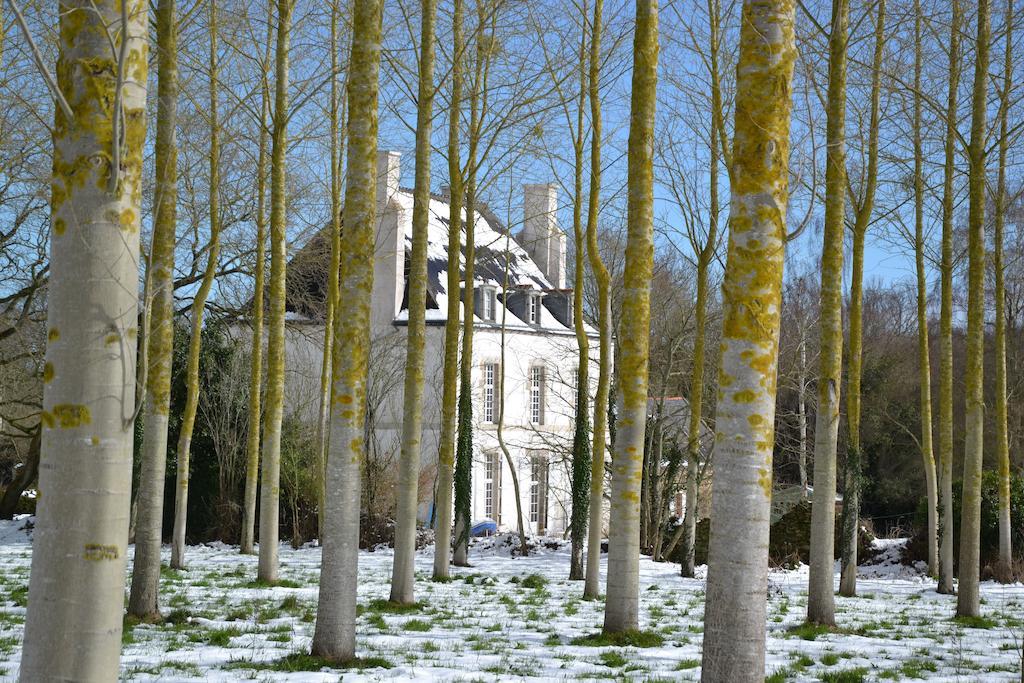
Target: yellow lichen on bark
(734, 621)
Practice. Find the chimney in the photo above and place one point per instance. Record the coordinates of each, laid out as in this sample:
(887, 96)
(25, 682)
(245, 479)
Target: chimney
(389, 253)
(389, 174)
(541, 237)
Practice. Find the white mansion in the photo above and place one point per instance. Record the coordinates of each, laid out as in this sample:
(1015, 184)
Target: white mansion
(541, 359)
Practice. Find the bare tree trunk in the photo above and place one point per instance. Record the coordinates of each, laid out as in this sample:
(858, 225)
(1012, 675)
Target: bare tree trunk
(76, 589)
(851, 501)
(252, 445)
(335, 636)
(22, 480)
(946, 314)
(198, 306)
(403, 575)
(924, 360)
(326, 361)
(621, 605)
(801, 392)
(270, 479)
(820, 598)
(446, 450)
(592, 583)
(144, 600)
(968, 602)
(580, 487)
(735, 610)
(1002, 437)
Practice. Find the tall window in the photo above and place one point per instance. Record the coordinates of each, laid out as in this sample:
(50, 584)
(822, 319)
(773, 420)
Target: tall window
(534, 309)
(537, 395)
(487, 304)
(539, 491)
(490, 380)
(492, 487)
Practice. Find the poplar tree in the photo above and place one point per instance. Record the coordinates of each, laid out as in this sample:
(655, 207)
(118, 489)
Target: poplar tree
(862, 220)
(80, 542)
(924, 360)
(946, 313)
(252, 443)
(144, 600)
(198, 307)
(705, 255)
(271, 471)
(968, 603)
(622, 601)
(464, 443)
(999, 222)
(450, 378)
(324, 412)
(820, 598)
(403, 572)
(334, 638)
(580, 483)
(735, 609)
(592, 583)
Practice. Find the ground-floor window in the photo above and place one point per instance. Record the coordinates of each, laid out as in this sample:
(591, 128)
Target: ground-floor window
(539, 490)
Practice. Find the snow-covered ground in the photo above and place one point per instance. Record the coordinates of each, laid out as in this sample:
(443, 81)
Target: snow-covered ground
(517, 618)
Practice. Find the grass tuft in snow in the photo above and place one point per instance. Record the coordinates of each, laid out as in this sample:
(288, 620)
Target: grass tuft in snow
(975, 622)
(417, 625)
(533, 581)
(633, 637)
(303, 661)
(388, 607)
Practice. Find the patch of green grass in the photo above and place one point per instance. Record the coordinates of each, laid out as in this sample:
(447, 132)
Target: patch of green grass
(686, 664)
(802, 662)
(857, 675)
(808, 631)
(417, 625)
(177, 617)
(975, 622)
(280, 583)
(632, 637)
(553, 640)
(170, 574)
(779, 676)
(219, 637)
(388, 607)
(303, 661)
(289, 604)
(613, 659)
(7, 644)
(915, 668)
(534, 581)
(431, 646)
(830, 659)
(377, 621)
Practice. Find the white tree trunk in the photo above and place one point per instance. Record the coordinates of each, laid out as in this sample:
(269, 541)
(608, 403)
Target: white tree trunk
(736, 604)
(76, 591)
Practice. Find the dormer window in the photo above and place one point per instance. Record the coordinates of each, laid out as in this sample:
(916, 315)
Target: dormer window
(487, 303)
(533, 309)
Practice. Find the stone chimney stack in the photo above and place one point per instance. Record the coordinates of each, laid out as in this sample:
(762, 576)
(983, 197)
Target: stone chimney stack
(541, 236)
(389, 174)
(389, 253)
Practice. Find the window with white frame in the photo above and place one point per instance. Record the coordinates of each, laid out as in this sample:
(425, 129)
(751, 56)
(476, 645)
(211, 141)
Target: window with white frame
(537, 395)
(487, 303)
(533, 309)
(490, 386)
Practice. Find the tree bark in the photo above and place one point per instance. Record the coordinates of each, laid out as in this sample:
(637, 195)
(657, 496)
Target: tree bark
(820, 598)
(22, 480)
(851, 502)
(144, 600)
(622, 602)
(403, 572)
(924, 360)
(270, 479)
(592, 583)
(76, 589)
(335, 636)
(198, 306)
(946, 313)
(1002, 435)
(252, 444)
(735, 611)
(968, 602)
(446, 450)
(580, 487)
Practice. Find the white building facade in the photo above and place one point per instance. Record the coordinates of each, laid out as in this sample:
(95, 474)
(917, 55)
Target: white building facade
(525, 354)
